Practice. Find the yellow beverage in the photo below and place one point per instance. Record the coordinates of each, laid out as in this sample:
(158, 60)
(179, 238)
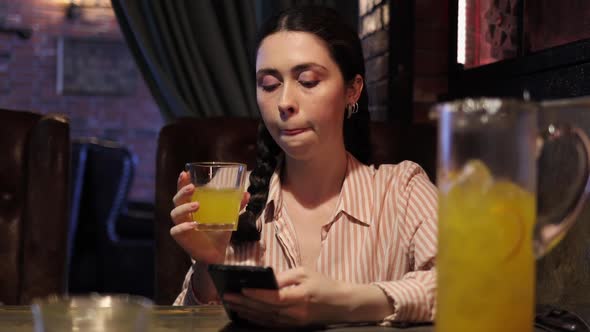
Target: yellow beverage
(485, 258)
(219, 208)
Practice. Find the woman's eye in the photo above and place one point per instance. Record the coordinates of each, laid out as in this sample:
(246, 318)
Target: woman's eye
(269, 87)
(268, 83)
(309, 84)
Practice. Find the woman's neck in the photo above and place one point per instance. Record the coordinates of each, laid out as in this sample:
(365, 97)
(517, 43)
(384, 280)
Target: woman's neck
(315, 180)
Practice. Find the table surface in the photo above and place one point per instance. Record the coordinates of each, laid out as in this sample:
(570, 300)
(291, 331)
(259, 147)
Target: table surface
(191, 318)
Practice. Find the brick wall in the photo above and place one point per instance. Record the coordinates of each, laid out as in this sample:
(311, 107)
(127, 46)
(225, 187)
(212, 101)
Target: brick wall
(373, 31)
(429, 56)
(28, 82)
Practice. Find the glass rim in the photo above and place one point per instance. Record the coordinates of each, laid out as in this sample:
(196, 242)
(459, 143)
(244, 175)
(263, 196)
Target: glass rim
(101, 300)
(214, 164)
(482, 106)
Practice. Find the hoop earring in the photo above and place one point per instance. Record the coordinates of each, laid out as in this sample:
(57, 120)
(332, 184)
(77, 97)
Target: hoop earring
(352, 109)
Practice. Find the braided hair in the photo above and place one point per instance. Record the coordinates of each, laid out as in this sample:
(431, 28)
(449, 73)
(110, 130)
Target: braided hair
(345, 49)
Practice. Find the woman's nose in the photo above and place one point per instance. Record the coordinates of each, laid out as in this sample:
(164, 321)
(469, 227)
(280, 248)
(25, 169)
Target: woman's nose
(287, 104)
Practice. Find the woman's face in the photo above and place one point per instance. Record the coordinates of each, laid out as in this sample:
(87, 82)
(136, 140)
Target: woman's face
(301, 94)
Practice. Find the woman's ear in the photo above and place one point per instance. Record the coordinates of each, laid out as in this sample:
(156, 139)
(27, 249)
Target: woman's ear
(354, 89)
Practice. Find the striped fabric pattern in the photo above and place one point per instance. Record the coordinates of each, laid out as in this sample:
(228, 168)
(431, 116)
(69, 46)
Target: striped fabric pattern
(384, 232)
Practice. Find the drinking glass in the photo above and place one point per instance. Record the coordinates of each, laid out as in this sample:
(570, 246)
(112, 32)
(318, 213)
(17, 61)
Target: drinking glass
(489, 233)
(219, 188)
(92, 313)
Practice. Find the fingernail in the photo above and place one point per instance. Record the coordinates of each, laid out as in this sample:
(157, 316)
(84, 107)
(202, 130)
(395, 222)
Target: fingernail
(194, 206)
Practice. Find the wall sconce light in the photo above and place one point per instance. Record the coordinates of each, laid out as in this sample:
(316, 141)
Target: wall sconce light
(75, 7)
(73, 11)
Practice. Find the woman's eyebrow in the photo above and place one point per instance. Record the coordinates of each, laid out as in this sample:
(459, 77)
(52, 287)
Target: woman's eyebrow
(267, 71)
(306, 66)
(294, 71)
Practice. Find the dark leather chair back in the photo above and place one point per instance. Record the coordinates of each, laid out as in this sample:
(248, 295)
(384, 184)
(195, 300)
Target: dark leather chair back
(34, 194)
(107, 176)
(113, 252)
(234, 139)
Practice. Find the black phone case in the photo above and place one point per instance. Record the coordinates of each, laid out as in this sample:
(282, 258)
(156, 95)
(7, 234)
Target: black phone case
(232, 278)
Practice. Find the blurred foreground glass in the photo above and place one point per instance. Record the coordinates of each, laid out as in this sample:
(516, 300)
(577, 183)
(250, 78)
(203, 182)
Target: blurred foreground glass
(92, 313)
(489, 233)
(219, 188)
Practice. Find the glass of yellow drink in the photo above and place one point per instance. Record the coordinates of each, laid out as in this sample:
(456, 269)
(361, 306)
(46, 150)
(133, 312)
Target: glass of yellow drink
(489, 234)
(485, 259)
(219, 188)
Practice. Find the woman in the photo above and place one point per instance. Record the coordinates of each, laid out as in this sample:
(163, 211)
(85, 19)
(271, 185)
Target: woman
(348, 242)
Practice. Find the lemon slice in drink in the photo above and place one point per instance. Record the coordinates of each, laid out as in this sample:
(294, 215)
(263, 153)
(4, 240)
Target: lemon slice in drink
(511, 209)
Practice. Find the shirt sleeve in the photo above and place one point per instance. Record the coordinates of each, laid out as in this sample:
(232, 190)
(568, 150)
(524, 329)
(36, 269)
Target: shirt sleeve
(187, 295)
(413, 296)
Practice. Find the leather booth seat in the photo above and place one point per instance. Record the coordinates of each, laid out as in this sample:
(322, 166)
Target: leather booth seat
(34, 195)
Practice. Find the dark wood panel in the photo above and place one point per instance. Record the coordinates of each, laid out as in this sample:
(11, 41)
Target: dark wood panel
(554, 73)
(559, 83)
(549, 23)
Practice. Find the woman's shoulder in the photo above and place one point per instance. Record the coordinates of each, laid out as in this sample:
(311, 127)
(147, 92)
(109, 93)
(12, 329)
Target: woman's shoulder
(398, 175)
(407, 183)
(401, 173)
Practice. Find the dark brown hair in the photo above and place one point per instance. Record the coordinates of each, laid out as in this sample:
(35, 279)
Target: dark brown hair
(345, 49)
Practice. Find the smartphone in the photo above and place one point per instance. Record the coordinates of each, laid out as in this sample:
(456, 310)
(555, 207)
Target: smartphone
(232, 278)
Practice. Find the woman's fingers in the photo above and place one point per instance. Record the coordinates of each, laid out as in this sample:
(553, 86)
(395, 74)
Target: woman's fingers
(185, 189)
(181, 228)
(183, 179)
(291, 277)
(183, 195)
(181, 213)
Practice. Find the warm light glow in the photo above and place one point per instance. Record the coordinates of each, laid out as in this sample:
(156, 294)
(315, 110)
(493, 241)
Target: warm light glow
(461, 31)
(86, 3)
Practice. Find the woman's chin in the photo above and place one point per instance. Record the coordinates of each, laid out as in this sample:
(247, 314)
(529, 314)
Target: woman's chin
(297, 151)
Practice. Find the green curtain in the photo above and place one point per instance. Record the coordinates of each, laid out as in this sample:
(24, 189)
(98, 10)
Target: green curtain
(195, 56)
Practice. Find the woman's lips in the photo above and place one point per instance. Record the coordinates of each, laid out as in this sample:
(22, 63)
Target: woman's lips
(293, 132)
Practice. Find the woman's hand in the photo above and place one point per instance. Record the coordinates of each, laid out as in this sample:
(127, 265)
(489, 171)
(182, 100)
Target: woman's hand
(304, 298)
(205, 247)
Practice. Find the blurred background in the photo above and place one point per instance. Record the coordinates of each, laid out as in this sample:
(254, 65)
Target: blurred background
(120, 71)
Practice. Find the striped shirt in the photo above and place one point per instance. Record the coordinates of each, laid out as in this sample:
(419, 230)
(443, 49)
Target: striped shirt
(383, 232)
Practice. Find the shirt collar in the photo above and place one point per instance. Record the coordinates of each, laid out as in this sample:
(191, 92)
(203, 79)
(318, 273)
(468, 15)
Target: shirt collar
(356, 197)
(274, 200)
